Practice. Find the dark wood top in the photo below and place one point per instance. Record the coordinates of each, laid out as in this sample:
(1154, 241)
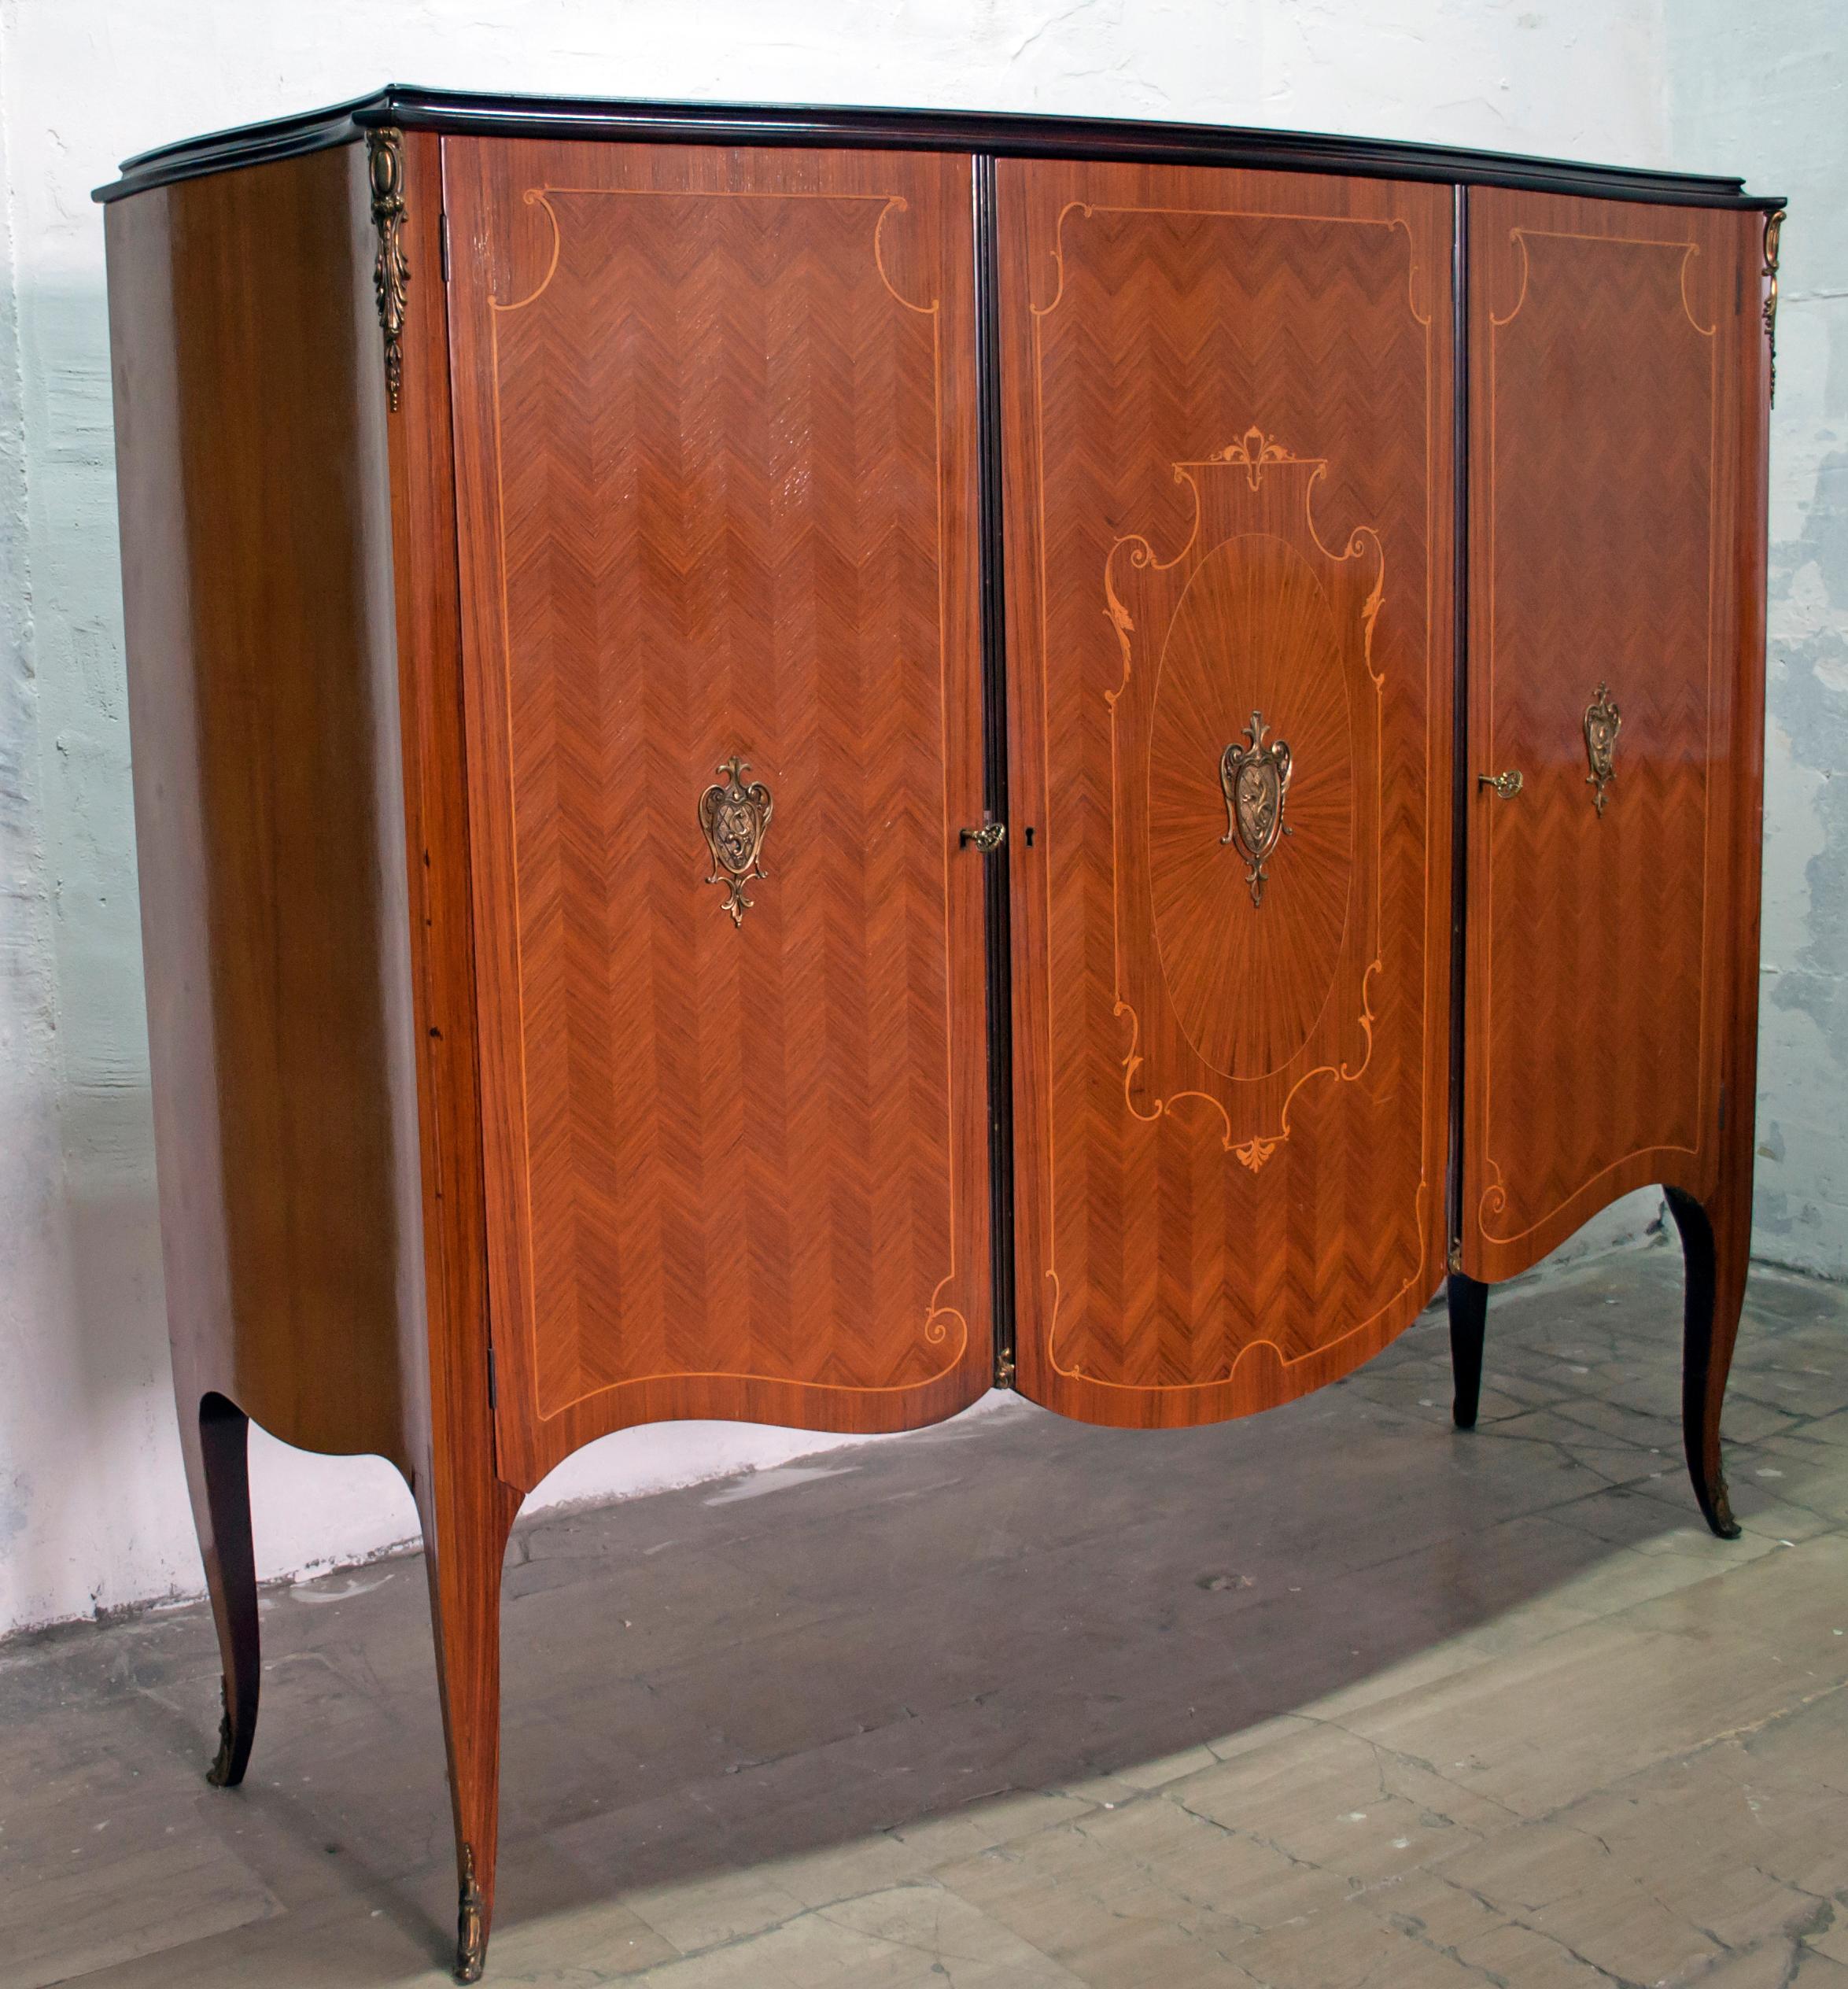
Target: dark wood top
(982, 132)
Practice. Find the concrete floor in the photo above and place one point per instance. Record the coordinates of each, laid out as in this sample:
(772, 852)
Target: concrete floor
(1336, 1696)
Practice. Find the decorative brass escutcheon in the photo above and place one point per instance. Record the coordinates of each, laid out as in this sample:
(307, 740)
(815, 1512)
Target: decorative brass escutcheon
(1507, 785)
(1601, 720)
(1256, 780)
(734, 818)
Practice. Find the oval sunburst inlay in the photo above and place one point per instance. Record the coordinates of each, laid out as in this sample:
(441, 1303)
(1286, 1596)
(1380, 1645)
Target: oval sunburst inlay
(1253, 632)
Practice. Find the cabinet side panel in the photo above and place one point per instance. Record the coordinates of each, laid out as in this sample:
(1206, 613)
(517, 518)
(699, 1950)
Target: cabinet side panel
(1744, 665)
(1227, 433)
(250, 414)
(1606, 904)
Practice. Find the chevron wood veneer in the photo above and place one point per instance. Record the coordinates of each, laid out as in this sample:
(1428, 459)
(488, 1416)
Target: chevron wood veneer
(1229, 1117)
(789, 762)
(716, 481)
(1604, 546)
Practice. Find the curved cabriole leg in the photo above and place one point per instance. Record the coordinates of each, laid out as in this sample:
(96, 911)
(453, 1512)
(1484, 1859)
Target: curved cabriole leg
(465, 1543)
(1716, 1252)
(1468, 1303)
(214, 1434)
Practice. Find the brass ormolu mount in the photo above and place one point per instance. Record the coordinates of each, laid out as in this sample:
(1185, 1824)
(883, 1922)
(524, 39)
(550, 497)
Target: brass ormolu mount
(1601, 720)
(1256, 780)
(1773, 230)
(734, 818)
(471, 1923)
(219, 1774)
(391, 273)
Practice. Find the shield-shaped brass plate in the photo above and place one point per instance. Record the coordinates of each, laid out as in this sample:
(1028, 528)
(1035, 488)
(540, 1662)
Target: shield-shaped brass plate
(1256, 780)
(734, 818)
(1602, 721)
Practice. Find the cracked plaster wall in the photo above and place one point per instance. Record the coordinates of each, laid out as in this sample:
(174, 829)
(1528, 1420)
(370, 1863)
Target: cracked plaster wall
(1765, 91)
(92, 1508)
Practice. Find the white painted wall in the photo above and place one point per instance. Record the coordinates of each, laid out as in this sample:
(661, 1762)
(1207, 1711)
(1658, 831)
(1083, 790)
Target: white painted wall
(92, 1509)
(1768, 92)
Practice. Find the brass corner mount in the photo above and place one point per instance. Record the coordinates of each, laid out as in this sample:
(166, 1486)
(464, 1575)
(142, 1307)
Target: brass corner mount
(1773, 231)
(391, 272)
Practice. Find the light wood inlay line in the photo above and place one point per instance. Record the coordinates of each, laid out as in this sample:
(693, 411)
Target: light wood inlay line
(935, 1329)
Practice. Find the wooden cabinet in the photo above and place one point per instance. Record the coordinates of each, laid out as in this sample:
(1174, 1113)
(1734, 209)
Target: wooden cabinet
(789, 763)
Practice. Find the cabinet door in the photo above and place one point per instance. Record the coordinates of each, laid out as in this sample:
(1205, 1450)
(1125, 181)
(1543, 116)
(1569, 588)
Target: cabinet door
(1607, 377)
(715, 424)
(1227, 430)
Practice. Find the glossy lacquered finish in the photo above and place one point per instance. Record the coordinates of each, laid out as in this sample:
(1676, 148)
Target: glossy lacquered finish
(574, 996)
(257, 589)
(465, 1501)
(839, 127)
(294, 702)
(1228, 425)
(1607, 343)
(263, 689)
(1610, 1007)
(716, 467)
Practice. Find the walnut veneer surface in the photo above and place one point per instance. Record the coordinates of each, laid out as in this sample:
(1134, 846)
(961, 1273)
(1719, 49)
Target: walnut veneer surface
(790, 762)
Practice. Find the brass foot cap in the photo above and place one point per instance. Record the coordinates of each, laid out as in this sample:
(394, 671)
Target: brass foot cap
(471, 1923)
(219, 1774)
